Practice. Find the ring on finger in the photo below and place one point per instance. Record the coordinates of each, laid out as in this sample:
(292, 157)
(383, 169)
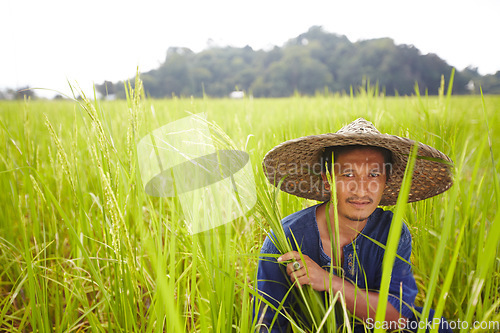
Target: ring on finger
(296, 265)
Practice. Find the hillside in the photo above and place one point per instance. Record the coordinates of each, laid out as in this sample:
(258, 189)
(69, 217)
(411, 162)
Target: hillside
(312, 62)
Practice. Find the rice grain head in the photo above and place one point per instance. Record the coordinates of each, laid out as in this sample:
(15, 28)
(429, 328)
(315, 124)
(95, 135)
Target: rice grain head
(37, 188)
(61, 154)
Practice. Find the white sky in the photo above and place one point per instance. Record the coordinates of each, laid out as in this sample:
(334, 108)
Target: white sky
(46, 43)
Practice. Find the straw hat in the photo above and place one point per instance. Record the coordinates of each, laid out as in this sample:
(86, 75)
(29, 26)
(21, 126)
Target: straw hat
(298, 162)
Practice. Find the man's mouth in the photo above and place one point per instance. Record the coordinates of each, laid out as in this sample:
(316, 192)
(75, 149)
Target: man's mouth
(360, 203)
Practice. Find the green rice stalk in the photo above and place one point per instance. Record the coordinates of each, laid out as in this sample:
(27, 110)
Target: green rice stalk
(449, 277)
(61, 153)
(438, 258)
(393, 238)
(486, 264)
(335, 246)
(80, 284)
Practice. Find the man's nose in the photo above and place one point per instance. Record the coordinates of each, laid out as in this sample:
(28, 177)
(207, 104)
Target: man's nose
(360, 187)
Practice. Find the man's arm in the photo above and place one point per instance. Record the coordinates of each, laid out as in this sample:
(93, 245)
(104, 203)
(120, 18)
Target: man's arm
(360, 302)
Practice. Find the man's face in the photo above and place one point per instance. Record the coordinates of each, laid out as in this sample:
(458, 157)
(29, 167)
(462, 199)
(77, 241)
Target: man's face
(360, 181)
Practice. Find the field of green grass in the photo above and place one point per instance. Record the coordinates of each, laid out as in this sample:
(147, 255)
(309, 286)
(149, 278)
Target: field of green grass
(83, 248)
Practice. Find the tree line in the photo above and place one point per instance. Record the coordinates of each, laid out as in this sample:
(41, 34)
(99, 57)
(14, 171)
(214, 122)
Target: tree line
(315, 61)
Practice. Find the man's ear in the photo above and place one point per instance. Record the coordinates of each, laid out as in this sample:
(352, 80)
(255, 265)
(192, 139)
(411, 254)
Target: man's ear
(325, 181)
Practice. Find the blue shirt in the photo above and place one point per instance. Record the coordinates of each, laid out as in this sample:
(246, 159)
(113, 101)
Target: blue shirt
(362, 262)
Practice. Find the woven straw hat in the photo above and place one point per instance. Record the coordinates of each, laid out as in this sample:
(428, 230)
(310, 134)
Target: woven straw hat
(298, 161)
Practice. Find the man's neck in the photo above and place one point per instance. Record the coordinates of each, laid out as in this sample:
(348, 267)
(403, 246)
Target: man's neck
(348, 229)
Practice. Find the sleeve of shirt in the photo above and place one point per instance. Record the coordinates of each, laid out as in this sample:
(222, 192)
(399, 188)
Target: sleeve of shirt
(273, 286)
(403, 288)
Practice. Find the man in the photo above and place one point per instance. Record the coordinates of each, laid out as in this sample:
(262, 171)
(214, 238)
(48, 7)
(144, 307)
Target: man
(368, 169)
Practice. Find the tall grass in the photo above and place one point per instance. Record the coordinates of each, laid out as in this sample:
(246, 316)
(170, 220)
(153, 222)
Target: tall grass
(83, 248)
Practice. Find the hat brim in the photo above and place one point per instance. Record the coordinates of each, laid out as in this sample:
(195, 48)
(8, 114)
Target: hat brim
(295, 164)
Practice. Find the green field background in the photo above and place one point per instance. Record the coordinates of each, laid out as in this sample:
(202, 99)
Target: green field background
(84, 249)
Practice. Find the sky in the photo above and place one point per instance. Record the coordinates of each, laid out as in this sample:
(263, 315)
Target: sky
(53, 43)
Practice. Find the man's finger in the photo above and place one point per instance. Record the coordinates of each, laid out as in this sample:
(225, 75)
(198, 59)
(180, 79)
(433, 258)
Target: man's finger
(291, 267)
(289, 256)
(303, 280)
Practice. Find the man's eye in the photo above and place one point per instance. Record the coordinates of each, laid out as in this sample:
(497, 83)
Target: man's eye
(348, 174)
(374, 174)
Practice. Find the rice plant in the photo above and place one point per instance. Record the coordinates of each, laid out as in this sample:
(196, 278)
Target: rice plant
(83, 247)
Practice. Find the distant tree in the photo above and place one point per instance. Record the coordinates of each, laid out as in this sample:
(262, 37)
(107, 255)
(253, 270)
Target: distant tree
(308, 63)
(108, 88)
(25, 93)
(431, 69)
(491, 83)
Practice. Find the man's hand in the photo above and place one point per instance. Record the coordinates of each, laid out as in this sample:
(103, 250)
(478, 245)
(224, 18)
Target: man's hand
(306, 271)
(309, 272)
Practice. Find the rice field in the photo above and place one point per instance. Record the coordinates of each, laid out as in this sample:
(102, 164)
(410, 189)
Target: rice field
(83, 247)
